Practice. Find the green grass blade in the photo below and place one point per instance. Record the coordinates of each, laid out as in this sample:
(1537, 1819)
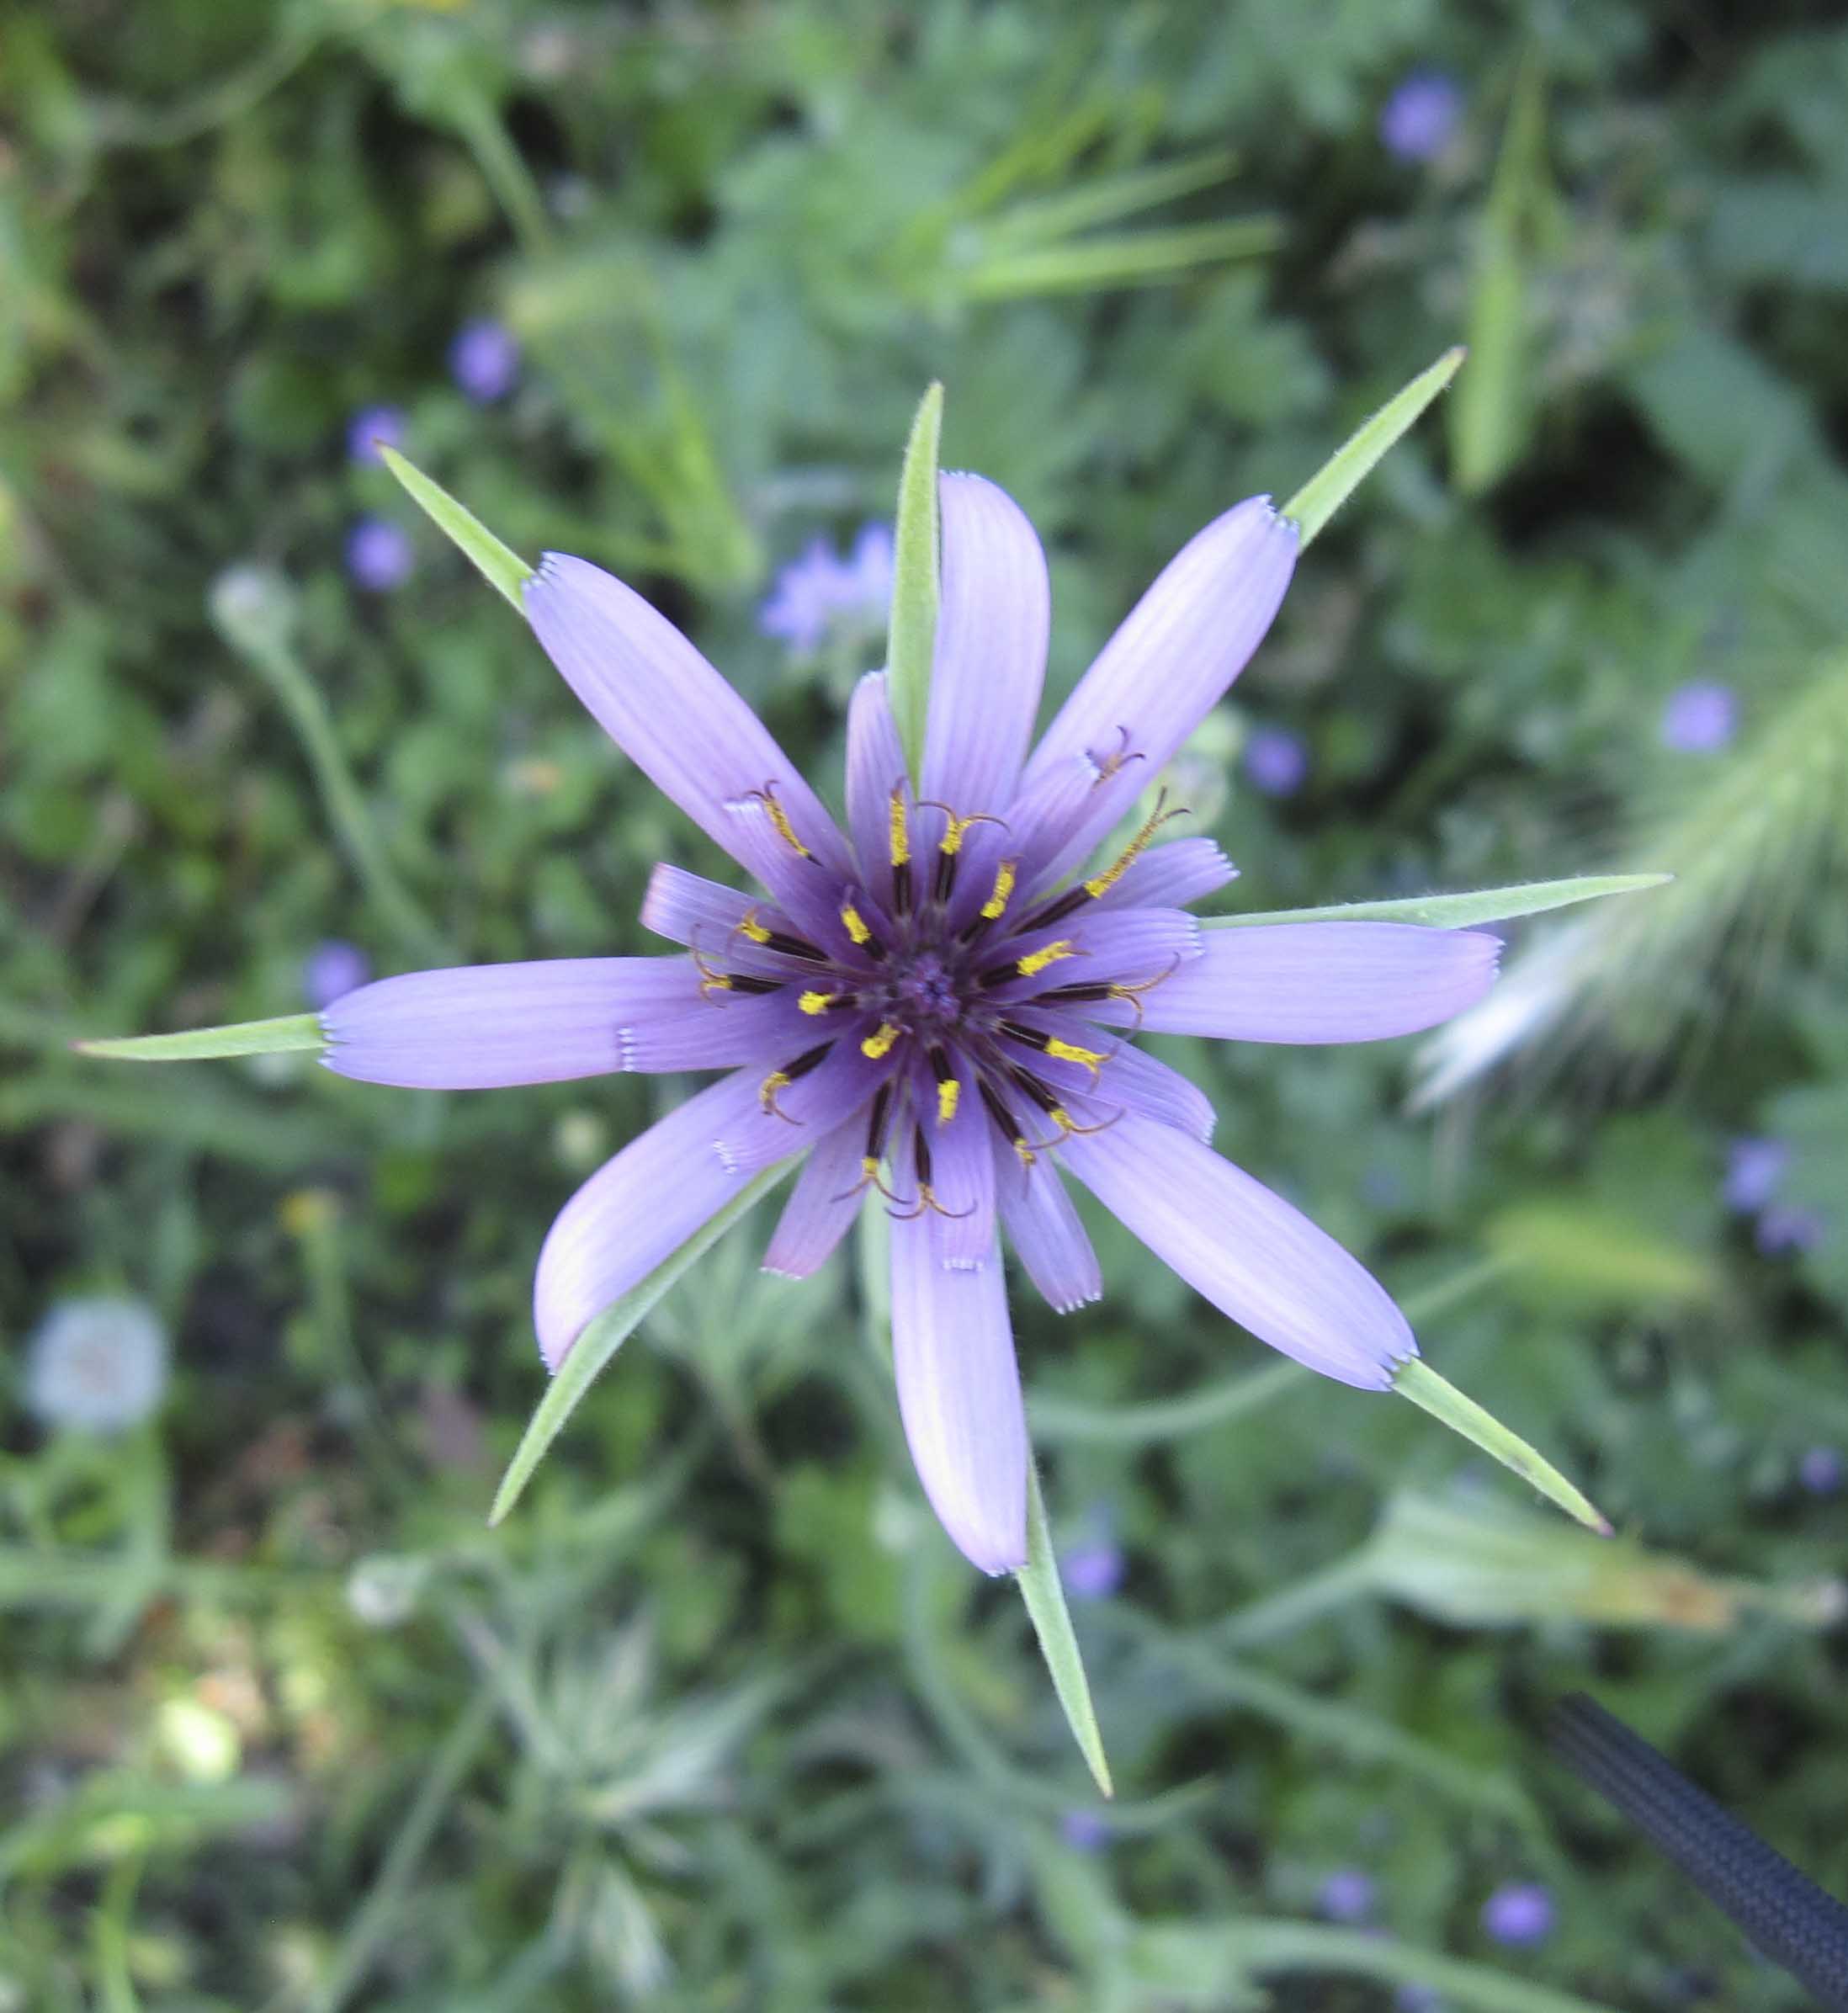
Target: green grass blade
(1429, 1392)
(608, 1331)
(1045, 1599)
(1127, 258)
(915, 582)
(1108, 199)
(503, 569)
(1330, 486)
(1458, 911)
(199, 1044)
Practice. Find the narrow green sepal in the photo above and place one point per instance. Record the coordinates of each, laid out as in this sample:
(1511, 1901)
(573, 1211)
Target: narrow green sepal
(607, 1333)
(1330, 486)
(1458, 911)
(1417, 1381)
(915, 583)
(1045, 1598)
(502, 568)
(297, 1031)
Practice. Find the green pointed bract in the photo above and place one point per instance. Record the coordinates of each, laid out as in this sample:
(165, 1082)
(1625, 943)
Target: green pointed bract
(1458, 911)
(1045, 1599)
(301, 1032)
(1417, 1381)
(1330, 486)
(503, 569)
(606, 1334)
(916, 588)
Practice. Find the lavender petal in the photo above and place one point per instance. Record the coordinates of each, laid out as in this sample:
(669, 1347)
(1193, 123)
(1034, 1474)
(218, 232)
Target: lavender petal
(962, 1168)
(990, 657)
(820, 1210)
(705, 916)
(1261, 1262)
(875, 766)
(1174, 876)
(1043, 1228)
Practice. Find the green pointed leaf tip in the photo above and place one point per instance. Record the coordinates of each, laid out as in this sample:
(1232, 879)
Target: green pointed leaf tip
(294, 1031)
(1458, 911)
(1417, 1381)
(502, 568)
(607, 1333)
(915, 582)
(1045, 1599)
(1330, 486)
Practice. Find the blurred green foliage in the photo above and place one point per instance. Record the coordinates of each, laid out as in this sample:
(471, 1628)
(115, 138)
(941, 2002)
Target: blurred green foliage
(713, 1720)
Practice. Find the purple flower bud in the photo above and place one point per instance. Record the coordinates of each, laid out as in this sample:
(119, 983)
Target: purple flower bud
(1347, 1896)
(484, 360)
(371, 426)
(1084, 1830)
(810, 595)
(1276, 762)
(1700, 719)
(1092, 1572)
(379, 554)
(1754, 1169)
(1820, 1471)
(1420, 116)
(1519, 1915)
(333, 970)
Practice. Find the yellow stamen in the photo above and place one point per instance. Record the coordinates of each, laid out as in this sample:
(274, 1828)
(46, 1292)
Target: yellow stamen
(869, 1167)
(777, 1079)
(817, 1002)
(854, 923)
(779, 818)
(879, 1042)
(748, 926)
(949, 1092)
(1064, 1120)
(898, 831)
(1004, 887)
(1102, 883)
(1036, 962)
(952, 840)
(1027, 1156)
(1090, 1059)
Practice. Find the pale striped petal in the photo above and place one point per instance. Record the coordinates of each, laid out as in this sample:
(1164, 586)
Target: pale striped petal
(827, 1197)
(1042, 1226)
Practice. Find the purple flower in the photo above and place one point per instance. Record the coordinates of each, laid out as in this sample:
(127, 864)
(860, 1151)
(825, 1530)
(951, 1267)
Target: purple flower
(1276, 762)
(818, 591)
(1092, 1572)
(1700, 719)
(1084, 1830)
(1820, 1471)
(370, 426)
(1347, 1895)
(484, 360)
(1754, 1169)
(1419, 118)
(333, 970)
(379, 554)
(1519, 1915)
(927, 1004)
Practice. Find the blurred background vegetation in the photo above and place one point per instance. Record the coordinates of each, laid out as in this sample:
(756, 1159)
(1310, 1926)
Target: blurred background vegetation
(716, 1720)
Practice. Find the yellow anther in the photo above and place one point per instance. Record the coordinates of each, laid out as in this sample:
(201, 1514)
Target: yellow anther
(1027, 1156)
(1101, 884)
(1004, 888)
(779, 818)
(1090, 1058)
(949, 1093)
(1036, 962)
(817, 1002)
(777, 1079)
(854, 923)
(898, 829)
(1064, 1120)
(748, 926)
(879, 1042)
(869, 1167)
(952, 840)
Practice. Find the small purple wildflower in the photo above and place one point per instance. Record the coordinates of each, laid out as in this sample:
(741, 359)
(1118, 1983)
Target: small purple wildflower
(1275, 760)
(1754, 1169)
(1347, 1895)
(379, 554)
(1700, 718)
(1419, 120)
(818, 591)
(1092, 1572)
(333, 970)
(1821, 1471)
(929, 1003)
(369, 428)
(484, 360)
(1519, 1915)
(1084, 1830)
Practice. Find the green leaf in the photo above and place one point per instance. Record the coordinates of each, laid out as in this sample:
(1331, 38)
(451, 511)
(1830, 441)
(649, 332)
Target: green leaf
(1429, 1392)
(605, 1335)
(1458, 911)
(915, 583)
(1330, 486)
(1045, 1599)
(502, 569)
(198, 1045)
